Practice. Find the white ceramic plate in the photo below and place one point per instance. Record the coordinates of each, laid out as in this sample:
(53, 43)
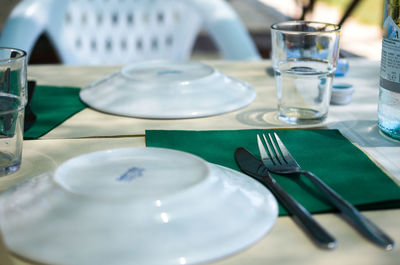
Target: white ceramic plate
(168, 90)
(135, 206)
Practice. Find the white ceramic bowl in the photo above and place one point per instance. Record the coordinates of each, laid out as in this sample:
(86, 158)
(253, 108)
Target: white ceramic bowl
(168, 90)
(135, 206)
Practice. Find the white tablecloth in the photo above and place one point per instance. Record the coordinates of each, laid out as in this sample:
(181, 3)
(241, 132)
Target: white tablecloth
(90, 130)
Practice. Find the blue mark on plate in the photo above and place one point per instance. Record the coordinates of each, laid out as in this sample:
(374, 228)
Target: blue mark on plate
(131, 174)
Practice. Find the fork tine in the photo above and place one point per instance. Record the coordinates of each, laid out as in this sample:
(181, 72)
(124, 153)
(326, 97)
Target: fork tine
(277, 151)
(286, 154)
(261, 148)
(271, 153)
(266, 158)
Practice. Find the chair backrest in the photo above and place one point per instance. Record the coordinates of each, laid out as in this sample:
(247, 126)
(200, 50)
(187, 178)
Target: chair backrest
(125, 31)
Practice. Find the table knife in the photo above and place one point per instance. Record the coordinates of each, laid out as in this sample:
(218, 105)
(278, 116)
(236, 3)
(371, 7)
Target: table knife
(254, 167)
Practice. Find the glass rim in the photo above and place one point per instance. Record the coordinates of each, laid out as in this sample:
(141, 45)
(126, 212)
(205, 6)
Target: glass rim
(330, 27)
(21, 54)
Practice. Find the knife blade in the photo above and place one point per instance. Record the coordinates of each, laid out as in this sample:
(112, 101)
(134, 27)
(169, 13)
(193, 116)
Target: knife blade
(254, 167)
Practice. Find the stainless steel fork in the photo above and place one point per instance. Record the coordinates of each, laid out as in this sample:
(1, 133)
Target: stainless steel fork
(278, 160)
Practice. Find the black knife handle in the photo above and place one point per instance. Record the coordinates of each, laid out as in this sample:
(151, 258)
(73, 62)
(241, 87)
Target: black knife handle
(253, 167)
(365, 226)
(302, 217)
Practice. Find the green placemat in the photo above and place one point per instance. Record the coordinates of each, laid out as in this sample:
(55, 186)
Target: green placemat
(52, 105)
(327, 153)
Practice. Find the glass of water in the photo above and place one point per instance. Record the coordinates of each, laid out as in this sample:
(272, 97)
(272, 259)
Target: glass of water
(304, 57)
(13, 98)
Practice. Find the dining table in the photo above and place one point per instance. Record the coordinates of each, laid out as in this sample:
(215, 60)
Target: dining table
(90, 130)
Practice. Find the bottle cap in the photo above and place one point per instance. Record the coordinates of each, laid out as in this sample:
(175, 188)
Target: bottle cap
(342, 67)
(342, 93)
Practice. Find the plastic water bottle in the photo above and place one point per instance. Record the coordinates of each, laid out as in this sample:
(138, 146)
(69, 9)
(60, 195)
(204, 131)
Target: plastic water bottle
(389, 85)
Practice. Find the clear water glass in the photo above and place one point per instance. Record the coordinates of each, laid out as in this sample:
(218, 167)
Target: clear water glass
(304, 58)
(13, 98)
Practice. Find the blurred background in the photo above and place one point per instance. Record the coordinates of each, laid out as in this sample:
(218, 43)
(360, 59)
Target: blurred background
(361, 30)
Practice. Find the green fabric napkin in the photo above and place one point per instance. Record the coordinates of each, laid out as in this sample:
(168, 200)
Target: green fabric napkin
(327, 153)
(52, 105)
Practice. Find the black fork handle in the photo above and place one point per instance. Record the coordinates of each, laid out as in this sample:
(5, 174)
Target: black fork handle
(365, 226)
(302, 217)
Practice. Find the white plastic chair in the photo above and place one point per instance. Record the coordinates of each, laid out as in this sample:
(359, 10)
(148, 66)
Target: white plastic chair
(124, 31)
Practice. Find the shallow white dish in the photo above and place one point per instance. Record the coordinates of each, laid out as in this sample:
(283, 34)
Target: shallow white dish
(135, 206)
(168, 90)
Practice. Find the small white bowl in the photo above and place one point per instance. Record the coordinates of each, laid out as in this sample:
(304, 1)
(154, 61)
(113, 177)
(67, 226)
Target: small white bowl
(135, 206)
